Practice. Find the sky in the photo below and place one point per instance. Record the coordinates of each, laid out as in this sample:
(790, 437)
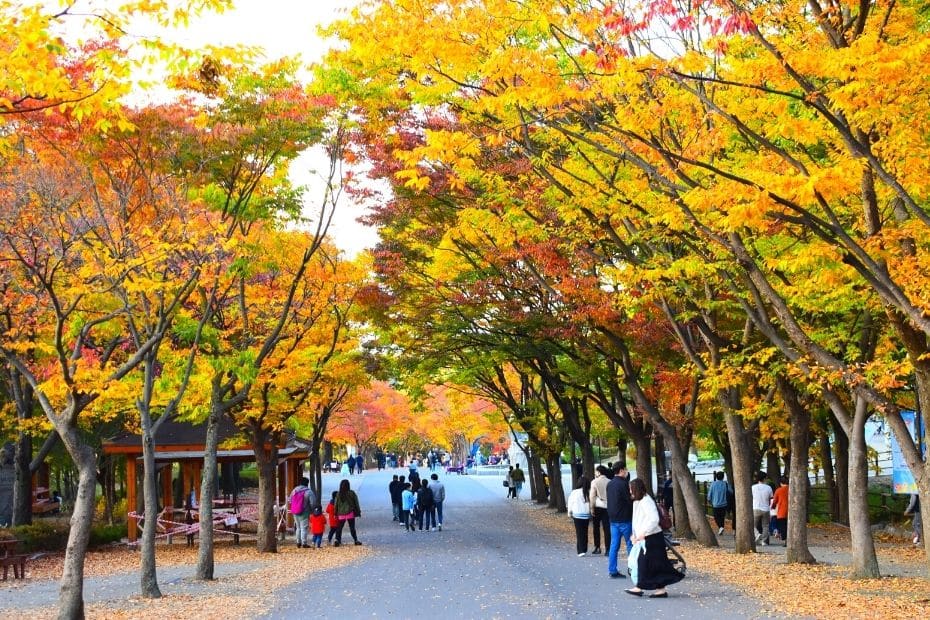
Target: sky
(285, 28)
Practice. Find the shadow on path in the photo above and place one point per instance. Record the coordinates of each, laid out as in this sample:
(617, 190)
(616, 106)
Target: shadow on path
(490, 561)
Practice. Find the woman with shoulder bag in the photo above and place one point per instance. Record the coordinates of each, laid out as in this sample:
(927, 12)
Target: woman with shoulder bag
(579, 509)
(654, 569)
(347, 511)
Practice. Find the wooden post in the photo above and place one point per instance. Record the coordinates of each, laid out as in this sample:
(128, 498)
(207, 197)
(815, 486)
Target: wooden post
(283, 491)
(167, 494)
(196, 468)
(131, 524)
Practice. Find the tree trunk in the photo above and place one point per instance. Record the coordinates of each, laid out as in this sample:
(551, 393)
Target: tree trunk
(644, 460)
(829, 475)
(798, 485)
(533, 474)
(587, 458)
(71, 593)
(149, 577)
(741, 473)
(556, 493)
(772, 462)
(208, 489)
(266, 462)
(661, 465)
(682, 521)
(865, 564)
(22, 487)
(841, 468)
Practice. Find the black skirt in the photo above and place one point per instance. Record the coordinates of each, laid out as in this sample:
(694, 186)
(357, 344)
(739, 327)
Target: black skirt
(655, 569)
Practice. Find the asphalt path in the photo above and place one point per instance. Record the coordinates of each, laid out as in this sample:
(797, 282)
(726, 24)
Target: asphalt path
(490, 561)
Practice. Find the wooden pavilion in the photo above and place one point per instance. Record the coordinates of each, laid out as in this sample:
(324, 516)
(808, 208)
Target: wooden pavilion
(183, 444)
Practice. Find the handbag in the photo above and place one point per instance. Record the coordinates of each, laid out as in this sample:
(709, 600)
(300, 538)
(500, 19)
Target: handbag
(665, 520)
(632, 561)
(506, 484)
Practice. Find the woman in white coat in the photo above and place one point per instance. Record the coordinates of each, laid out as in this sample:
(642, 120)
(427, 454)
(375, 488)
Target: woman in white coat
(655, 570)
(580, 511)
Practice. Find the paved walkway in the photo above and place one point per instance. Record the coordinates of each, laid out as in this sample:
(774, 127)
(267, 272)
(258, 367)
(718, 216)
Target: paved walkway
(488, 562)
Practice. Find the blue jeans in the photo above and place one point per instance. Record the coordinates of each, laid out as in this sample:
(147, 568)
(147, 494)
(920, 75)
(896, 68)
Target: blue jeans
(617, 530)
(439, 512)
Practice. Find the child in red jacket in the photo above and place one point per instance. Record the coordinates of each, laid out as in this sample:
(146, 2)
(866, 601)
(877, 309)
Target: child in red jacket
(333, 521)
(317, 526)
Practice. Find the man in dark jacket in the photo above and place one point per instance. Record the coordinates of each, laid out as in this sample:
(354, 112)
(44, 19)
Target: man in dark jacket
(620, 513)
(395, 488)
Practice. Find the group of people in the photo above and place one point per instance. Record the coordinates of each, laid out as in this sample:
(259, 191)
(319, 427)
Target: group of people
(353, 465)
(514, 480)
(310, 522)
(621, 510)
(417, 504)
(769, 506)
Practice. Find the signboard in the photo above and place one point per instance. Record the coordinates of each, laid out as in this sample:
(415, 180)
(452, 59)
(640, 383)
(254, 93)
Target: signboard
(902, 480)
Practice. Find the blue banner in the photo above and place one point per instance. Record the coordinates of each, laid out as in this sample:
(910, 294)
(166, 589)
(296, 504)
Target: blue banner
(902, 480)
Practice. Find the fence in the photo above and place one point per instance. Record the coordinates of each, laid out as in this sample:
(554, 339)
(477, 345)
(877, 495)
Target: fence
(883, 506)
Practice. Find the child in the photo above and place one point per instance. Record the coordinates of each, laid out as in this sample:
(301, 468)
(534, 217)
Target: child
(317, 526)
(333, 521)
(407, 500)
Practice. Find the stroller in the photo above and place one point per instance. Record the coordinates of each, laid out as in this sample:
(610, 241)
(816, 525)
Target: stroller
(678, 560)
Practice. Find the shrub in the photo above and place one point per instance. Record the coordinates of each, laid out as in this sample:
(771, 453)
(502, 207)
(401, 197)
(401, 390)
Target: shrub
(105, 534)
(40, 536)
(50, 536)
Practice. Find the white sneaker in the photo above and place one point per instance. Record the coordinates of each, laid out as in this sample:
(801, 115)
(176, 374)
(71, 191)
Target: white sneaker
(720, 531)
(758, 537)
(581, 555)
(917, 540)
(434, 529)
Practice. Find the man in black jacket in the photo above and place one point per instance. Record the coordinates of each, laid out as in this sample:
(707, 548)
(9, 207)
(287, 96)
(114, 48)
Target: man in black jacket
(396, 488)
(620, 513)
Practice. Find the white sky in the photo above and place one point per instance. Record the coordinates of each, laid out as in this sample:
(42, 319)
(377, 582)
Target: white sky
(286, 28)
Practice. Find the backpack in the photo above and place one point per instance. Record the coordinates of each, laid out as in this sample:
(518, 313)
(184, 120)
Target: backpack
(665, 520)
(297, 502)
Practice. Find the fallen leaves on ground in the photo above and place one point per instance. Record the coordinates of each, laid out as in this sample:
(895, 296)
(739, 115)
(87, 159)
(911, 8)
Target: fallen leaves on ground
(249, 592)
(819, 591)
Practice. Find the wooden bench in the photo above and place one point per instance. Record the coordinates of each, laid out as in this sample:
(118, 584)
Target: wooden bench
(18, 562)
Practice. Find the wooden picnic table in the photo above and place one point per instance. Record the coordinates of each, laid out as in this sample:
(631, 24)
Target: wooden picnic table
(9, 557)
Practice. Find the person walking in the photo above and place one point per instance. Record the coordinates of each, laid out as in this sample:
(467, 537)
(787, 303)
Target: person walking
(425, 509)
(331, 515)
(347, 511)
(598, 501)
(439, 496)
(579, 509)
(780, 504)
(518, 478)
(407, 502)
(913, 508)
(620, 515)
(717, 496)
(301, 502)
(317, 526)
(654, 570)
(395, 487)
(761, 501)
(508, 482)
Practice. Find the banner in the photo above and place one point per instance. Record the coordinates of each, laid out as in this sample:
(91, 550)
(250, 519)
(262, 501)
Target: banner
(902, 480)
